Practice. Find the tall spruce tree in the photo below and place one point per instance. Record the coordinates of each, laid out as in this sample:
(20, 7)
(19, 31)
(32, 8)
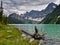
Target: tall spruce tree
(1, 11)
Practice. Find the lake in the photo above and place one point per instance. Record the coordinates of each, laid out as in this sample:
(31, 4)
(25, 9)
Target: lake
(52, 30)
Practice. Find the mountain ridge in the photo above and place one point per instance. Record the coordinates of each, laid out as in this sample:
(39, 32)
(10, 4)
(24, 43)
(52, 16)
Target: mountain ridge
(37, 14)
(29, 16)
(52, 18)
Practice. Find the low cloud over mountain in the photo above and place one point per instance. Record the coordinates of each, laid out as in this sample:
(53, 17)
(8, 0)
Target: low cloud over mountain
(21, 6)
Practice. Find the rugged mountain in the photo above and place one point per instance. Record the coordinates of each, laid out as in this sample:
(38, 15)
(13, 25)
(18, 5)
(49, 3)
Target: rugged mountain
(40, 14)
(52, 18)
(16, 19)
(35, 15)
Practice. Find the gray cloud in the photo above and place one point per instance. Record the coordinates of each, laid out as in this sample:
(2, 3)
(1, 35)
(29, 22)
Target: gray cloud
(24, 5)
(31, 2)
(28, 2)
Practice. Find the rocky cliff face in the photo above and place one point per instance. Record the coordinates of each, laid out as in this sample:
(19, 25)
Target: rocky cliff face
(53, 17)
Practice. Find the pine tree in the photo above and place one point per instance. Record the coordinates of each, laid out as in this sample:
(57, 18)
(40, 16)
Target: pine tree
(1, 12)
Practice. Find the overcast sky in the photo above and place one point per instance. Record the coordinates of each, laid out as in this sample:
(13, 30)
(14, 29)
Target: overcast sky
(21, 6)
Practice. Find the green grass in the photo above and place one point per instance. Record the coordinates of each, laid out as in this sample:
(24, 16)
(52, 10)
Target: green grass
(12, 36)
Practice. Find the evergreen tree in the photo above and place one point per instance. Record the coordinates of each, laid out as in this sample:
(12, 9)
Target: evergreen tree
(1, 12)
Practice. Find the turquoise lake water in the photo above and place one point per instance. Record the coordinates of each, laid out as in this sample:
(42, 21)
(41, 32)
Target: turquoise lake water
(52, 30)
